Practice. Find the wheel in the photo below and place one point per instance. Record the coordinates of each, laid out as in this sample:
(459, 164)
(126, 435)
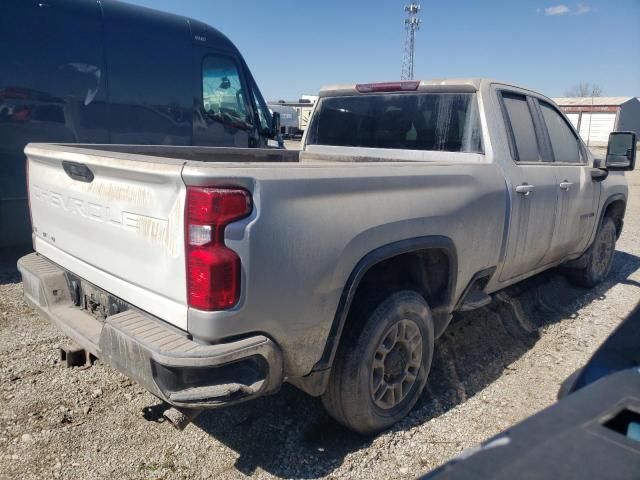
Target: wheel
(380, 371)
(595, 264)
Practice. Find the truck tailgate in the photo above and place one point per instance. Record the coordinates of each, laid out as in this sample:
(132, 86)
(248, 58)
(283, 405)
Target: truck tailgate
(116, 220)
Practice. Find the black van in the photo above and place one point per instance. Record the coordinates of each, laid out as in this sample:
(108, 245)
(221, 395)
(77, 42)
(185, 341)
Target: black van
(109, 72)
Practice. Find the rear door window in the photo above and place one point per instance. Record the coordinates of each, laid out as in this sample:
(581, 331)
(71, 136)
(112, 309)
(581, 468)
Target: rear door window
(522, 128)
(442, 122)
(564, 142)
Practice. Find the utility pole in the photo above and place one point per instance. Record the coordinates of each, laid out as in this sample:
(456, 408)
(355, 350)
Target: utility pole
(411, 25)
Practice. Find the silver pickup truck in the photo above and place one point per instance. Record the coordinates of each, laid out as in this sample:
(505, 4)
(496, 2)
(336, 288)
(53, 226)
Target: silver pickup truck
(212, 275)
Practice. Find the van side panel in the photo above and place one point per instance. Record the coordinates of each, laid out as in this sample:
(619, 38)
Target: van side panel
(149, 57)
(52, 88)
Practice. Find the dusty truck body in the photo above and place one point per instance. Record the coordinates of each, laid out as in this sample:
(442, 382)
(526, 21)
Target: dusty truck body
(212, 275)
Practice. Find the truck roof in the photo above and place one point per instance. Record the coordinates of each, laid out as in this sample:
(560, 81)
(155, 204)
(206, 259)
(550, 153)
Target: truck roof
(430, 85)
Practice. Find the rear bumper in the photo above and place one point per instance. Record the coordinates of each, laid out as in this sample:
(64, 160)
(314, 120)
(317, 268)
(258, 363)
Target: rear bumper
(165, 360)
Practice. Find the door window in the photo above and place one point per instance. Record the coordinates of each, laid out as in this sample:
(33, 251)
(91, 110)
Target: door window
(524, 133)
(564, 143)
(223, 99)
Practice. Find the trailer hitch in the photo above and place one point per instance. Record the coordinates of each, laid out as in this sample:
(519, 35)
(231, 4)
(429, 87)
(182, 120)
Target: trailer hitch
(75, 356)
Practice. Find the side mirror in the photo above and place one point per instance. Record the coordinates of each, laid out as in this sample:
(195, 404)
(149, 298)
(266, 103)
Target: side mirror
(621, 151)
(275, 124)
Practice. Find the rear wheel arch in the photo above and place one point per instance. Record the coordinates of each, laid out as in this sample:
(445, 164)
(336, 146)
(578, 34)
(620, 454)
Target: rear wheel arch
(405, 265)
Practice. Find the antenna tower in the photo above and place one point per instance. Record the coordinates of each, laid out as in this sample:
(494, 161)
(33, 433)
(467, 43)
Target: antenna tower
(411, 26)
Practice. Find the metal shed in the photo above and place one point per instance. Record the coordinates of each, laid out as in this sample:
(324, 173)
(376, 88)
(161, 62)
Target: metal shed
(596, 117)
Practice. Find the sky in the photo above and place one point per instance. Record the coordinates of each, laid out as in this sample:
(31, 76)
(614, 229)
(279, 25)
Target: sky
(295, 47)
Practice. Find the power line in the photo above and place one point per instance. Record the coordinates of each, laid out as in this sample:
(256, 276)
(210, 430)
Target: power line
(411, 26)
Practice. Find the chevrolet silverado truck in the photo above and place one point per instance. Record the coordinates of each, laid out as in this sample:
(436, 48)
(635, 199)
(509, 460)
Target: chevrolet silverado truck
(213, 275)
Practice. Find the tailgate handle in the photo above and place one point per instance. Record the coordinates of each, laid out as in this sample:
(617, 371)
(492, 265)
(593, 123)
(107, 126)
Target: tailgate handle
(78, 171)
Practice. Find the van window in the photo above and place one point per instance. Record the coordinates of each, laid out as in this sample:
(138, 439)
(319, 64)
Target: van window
(524, 133)
(222, 96)
(563, 141)
(443, 122)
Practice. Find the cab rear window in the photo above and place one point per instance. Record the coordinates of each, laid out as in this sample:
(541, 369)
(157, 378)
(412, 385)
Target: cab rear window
(442, 122)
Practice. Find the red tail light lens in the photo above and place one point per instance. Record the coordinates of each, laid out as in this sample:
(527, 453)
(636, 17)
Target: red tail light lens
(217, 205)
(214, 278)
(213, 269)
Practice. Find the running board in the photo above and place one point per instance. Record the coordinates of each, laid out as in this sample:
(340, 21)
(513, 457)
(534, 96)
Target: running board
(475, 299)
(474, 295)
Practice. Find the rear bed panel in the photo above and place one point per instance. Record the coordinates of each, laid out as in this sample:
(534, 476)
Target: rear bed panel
(123, 231)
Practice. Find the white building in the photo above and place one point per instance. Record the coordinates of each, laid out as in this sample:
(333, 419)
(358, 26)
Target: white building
(596, 117)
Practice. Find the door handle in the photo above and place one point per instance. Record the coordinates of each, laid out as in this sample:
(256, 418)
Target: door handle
(565, 185)
(525, 189)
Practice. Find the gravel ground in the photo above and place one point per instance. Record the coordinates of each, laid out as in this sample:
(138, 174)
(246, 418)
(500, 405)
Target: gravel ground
(493, 368)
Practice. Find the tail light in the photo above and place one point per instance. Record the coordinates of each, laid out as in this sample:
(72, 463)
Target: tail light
(213, 270)
(410, 86)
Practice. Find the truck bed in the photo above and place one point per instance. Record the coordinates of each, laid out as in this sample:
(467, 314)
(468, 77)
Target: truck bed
(315, 216)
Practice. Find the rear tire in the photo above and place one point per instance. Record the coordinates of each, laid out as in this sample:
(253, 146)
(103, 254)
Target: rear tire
(380, 371)
(595, 263)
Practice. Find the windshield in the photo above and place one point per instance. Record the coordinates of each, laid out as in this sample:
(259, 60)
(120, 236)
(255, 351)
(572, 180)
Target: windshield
(443, 122)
